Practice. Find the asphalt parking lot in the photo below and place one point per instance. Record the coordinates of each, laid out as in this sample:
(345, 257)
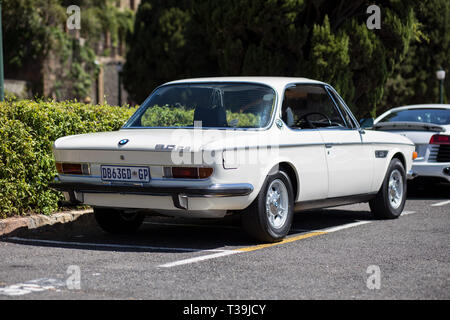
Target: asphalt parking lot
(338, 253)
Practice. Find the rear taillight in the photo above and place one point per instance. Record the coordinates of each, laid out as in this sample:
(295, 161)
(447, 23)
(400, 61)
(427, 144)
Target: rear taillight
(72, 168)
(440, 139)
(188, 172)
(185, 173)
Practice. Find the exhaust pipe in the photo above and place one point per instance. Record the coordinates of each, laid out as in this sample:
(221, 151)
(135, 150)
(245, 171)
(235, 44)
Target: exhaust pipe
(447, 171)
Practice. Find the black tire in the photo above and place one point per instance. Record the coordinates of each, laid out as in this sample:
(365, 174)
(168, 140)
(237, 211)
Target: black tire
(381, 206)
(117, 222)
(255, 219)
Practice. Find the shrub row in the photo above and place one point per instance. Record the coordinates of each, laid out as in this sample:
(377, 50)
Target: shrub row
(157, 116)
(27, 132)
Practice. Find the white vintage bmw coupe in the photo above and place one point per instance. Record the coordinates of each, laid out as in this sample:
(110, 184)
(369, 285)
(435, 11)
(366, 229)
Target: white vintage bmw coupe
(261, 147)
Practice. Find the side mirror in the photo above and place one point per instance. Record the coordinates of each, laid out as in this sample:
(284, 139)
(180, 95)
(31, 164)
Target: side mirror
(366, 123)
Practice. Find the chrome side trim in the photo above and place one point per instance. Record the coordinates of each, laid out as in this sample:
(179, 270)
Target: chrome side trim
(249, 147)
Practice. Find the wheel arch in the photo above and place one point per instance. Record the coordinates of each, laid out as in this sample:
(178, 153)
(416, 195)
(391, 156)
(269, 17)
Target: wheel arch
(400, 156)
(290, 170)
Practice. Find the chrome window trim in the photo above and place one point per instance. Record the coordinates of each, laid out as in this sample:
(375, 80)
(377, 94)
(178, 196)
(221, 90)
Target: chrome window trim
(329, 92)
(346, 107)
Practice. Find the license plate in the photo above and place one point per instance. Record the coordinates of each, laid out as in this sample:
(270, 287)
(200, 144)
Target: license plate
(125, 174)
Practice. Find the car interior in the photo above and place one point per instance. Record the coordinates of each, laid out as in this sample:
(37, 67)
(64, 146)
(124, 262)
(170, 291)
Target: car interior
(309, 107)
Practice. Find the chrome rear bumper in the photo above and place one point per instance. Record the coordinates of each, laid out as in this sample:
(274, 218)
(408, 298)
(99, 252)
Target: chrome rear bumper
(411, 175)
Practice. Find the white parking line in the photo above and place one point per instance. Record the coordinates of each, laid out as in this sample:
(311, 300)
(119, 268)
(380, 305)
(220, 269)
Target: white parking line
(37, 285)
(440, 204)
(345, 226)
(198, 259)
(108, 245)
(263, 246)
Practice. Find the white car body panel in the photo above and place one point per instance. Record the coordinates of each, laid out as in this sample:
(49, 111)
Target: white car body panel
(425, 165)
(326, 163)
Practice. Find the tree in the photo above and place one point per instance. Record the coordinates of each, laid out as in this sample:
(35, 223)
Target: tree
(168, 42)
(36, 42)
(27, 31)
(414, 81)
(316, 39)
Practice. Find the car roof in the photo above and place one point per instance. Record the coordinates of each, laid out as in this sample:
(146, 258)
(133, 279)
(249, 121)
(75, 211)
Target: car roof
(412, 107)
(275, 82)
(420, 106)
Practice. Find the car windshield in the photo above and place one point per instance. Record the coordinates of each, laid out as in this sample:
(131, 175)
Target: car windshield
(435, 116)
(208, 105)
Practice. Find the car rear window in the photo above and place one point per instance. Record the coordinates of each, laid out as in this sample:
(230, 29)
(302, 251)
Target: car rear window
(435, 116)
(212, 105)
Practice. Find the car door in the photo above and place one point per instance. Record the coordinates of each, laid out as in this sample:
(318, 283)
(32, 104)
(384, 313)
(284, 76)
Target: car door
(349, 159)
(303, 146)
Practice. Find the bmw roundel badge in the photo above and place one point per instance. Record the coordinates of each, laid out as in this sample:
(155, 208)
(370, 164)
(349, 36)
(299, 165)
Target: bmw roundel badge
(123, 142)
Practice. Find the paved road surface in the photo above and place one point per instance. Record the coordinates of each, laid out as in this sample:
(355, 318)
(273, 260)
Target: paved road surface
(339, 253)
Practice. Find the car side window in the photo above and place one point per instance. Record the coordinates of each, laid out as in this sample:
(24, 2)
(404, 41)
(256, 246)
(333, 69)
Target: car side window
(310, 107)
(343, 110)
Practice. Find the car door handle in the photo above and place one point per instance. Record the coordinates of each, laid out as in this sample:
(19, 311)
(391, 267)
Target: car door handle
(328, 145)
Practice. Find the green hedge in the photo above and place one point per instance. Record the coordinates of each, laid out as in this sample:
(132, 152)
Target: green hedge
(27, 132)
(157, 116)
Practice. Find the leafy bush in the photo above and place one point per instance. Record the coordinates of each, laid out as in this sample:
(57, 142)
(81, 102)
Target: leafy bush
(167, 116)
(27, 132)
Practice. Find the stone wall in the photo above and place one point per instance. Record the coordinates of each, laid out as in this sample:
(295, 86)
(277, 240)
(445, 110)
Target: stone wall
(110, 81)
(18, 88)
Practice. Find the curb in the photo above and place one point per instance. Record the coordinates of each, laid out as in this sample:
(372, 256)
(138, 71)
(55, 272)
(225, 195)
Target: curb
(32, 223)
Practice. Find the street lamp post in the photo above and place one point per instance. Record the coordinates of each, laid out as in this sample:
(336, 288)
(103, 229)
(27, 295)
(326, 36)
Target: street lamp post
(97, 81)
(2, 77)
(440, 75)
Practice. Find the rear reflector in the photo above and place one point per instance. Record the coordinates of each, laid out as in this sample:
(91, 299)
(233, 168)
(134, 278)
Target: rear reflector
(440, 139)
(204, 173)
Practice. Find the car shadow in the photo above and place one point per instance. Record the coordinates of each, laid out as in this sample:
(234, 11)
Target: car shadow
(423, 190)
(164, 234)
(168, 235)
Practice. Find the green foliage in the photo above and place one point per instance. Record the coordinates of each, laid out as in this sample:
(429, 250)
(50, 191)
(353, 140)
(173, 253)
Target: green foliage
(34, 30)
(167, 116)
(322, 40)
(165, 44)
(414, 81)
(26, 31)
(244, 120)
(27, 132)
